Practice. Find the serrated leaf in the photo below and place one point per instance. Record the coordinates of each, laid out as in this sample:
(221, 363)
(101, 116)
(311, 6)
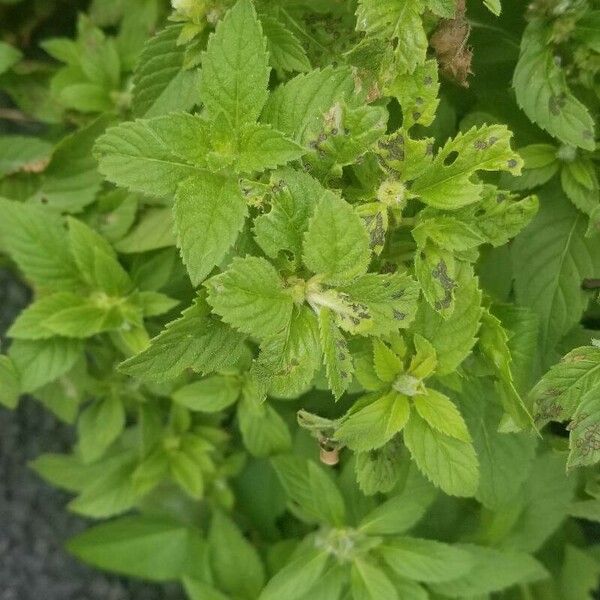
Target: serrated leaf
(251, 296)
(389, 300)
(373, 422)
(42, 361)
(505, 459)
(580, 183)
(584, 431)
(336, 244)
(386, 362)
(378, 471)
(292, 358)
(399, 22)
(543, 94)
(297, 106)
(263, 430)
(153, 156)
(35, 240)
(195, 340)
(556, 396)
(298, 575)
(453, 338)
(447, 462)
(499, 216)
(157, 549)
(209, 214)
(260, 147)
(295, 196)
(551, 259)
(211, 394)
(423, 560)
(436, 272)
(338, 361)
(442, 414)
(285, 51)
(235, 562)
(153, 230)
(98, 426)
(160, 83)
(447, 183)
(310, 490)
(369, 582)
(494, 571)
(417, 94)
(235, 69)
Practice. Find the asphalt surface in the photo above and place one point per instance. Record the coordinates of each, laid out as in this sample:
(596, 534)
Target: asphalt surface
(34, 522)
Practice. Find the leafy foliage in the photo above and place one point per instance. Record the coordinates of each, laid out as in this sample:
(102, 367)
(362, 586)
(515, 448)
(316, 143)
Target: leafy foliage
(304, 299)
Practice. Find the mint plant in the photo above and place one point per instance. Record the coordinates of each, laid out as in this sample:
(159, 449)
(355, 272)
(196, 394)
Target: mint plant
(303, 273)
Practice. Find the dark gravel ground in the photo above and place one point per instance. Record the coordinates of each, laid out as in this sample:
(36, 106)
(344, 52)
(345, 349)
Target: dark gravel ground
(33, 520)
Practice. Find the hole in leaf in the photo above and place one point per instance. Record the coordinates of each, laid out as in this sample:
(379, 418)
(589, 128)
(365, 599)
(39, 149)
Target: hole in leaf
(451, 158)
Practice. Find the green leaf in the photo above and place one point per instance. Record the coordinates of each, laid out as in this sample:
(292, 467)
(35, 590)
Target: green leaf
(447, 462)
(579, 575)
(454, 337)
(153, 230)
(378, 471)
(436, 272)
(9, 56)
(251, 296)
(370, 425)
(96, 260)
(337, 358)
(493, 571)
(336, 244)
(447, 182)
(543, 94)
(580, 183)
(153, 156)
(35, 240)
(42, 361)
(586, 29)
(211, 394)
(311, 491)
(99, 425)
(402, 511)
(551, 259)
(235, 563)
(425, 560)
(198, 590)
(10, 388)
(209, 213)
(147, 547)
(386, 362)
(399, 22)
(194, 341)
(417, 94)
(505, 459)
(263, 430)
(22, 154)
(285, 51)
(160, 83)
(389, 300)
(260, 147)
(235, 69)
(369, 582)
(295, 195)
(499, 216)
(71, 180)
(297, 576)
(296, 107)
(583, 436)
(292, 358)
(441, 414)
